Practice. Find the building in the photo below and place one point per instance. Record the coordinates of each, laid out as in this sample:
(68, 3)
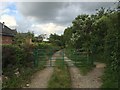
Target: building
(27, 38)
(6, 34)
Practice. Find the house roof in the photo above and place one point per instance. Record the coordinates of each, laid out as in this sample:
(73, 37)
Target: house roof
(6, 31)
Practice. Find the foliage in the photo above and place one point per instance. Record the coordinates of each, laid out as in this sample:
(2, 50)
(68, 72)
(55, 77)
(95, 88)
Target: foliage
(39, 38)
(17, 65)
(56, 39)
(13, 52)
(97, 34)
(18, 62)
(20, 38)
(110, 78)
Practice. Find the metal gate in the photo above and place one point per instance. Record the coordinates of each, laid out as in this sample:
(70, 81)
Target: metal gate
(71, 57)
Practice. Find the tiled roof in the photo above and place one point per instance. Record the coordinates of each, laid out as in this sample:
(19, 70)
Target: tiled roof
(6, 31)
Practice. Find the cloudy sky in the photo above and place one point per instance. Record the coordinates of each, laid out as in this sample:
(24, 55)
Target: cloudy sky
(46, 17)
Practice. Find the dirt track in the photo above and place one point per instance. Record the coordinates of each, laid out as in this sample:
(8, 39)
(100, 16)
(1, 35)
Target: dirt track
(91, 80)
(41, 78)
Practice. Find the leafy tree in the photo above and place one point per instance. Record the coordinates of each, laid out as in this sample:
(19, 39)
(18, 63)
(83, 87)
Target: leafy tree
(56, 39)
(99, 34)
(20, 38)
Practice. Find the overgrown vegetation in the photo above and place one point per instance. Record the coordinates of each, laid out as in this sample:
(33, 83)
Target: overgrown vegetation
(56, 40)
(17, 65)
(60, 77)
(19, 62)
(98, 36)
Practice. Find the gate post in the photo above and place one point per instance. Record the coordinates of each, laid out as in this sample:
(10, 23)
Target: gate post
(36, 58)
(76, 56)
(50, 57)
(63, 56)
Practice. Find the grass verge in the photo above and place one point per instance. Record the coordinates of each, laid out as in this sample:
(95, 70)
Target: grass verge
(85, 69)
(24, 77)
(60, 77)
(110, 79)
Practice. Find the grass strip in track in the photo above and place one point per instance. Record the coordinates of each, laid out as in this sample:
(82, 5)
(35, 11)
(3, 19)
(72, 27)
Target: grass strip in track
(60, 77)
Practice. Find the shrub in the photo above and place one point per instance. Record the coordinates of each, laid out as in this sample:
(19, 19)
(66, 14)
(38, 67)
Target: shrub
(11, 55)
(16, 61)
(20, 60)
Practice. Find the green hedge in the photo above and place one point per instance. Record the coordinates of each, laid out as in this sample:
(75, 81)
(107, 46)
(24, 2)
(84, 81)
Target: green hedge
(21, 59)
(16, 59)
(13, 55)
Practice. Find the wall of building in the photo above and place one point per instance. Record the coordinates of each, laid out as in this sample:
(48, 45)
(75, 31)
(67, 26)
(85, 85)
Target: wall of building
(0, 39)
(7, 40)
(1, 27)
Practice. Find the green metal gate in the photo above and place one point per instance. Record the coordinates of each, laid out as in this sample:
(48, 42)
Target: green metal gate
(79, 57)
(48, 57)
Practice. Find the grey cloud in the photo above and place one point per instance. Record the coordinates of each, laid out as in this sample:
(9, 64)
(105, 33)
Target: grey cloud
(92, 6)
(59, 12)
(41, 11)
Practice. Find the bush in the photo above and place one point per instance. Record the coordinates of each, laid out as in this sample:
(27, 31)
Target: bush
(17, 61)
(11, 55)
(20, 60)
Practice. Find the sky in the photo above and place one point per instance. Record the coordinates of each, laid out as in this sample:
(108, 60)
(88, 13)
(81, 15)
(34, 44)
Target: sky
(46, 17)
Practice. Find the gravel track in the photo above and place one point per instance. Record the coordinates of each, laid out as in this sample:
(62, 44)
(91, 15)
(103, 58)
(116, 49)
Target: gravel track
(41, 78)
(91, 80)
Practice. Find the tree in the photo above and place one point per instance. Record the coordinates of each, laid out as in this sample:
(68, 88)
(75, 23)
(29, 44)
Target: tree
(20, 38)
(56, 39)
(98, 34)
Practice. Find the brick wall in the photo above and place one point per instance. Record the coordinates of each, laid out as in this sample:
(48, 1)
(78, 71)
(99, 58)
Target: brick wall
(7, 40)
